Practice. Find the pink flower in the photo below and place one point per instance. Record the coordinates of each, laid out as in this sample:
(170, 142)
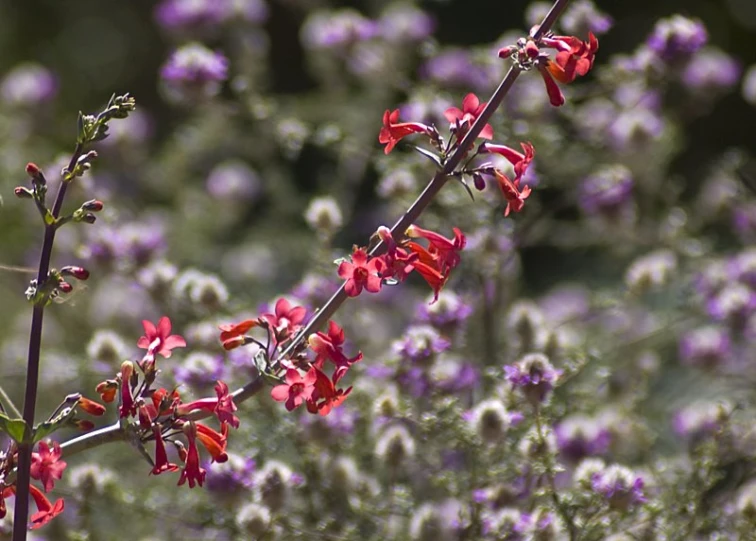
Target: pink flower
(286, 320)
(521, 162)
(326, 396)
(296, 389)
(47, 465)
(222, 406)
(464, 118)
(159, 340)
(361, 272)
(393, 131)
(327, 346)
(46, 511)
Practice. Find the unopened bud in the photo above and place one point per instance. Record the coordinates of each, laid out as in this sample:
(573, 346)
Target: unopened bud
(84, 425)
(79, 273)
(91, 407)
(506, 52)
(89, 218)
(479, 182)
(127, 368)
(32, 169)
(65, 287)
(23, 193)
(190, 429)
(93, 205)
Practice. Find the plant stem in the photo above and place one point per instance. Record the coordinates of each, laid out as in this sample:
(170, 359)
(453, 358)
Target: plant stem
(116, 433)
(21, 511)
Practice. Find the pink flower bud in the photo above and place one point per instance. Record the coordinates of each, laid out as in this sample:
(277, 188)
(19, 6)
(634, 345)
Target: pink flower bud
(32, 169)
(79, 273)
(94, 205)
(65, 287)
(22, 193)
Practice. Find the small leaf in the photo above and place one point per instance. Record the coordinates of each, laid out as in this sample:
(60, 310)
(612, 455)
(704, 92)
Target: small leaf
(42, 430)
(15, 428)
(428, 154)
(469, 191)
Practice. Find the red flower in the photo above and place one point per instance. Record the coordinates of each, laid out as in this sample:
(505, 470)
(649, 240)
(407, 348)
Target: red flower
(392, 131)
(214, 442)
(512, 193)
(464, 118)
(159, 340)
(222, 406)
(362, 272)
(296, 389)
(232, 335)
(161, 457)
(286, 320)
(429, 269)
(127, 407)
(327, 346)
(398, 262)
(444, 251)
(575, 57)
(556, 98)
(91, 407)
(46, 511)
(46, 465)
(521, 162)
(107, 390)
(326, 396)
(163, 401)
(192, 471)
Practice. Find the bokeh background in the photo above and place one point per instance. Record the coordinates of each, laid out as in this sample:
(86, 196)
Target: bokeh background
(226, 191)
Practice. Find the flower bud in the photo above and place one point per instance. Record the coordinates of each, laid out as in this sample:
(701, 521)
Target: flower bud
(479, 182)
(91, 407)
(65, 287)
(79, 273)
(88, 218)
(253, 519)
(35, 173)
(93, 205)
(490, 420)
(323, 215)
(23, 193)
(395, 446)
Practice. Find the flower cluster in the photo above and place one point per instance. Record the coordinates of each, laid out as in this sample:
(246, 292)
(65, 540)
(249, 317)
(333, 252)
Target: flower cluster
(159, 415)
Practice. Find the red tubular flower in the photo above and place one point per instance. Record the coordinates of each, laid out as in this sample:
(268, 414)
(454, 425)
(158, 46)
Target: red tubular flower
(107, 390)
(326, 396)
(512, 193)
(163, 401)
(46, 511)
(91, 407)
(286, 320)
(127, 400)
(296, 389)
(222, 406)
(393, 131)
(361, 272)
(520, 161)
(444, 251)
(232, 334)
(327, 346)
(465, 117)
(556, 98)
(161, 457)
(214, 442)
(159, 340)
(192, 471)
(575, 57)
(46, 465)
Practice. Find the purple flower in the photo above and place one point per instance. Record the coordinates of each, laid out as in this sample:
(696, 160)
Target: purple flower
(187, 14)
(455, 67)
(734, 303)
(405, 22)
(233, 476)
(420, 344)
(606, 190)
(200, 370)
(533, 376)
(635, 128)
(332, 30)
(448, 311)
(582, 17)
(194, 71)
(711, 70)
(28, 85)
(233, 180)
(454, 377)
(620, 486)
(677, 38)
(744, 220)
(579, 436)
(706, 347)
(700, 420)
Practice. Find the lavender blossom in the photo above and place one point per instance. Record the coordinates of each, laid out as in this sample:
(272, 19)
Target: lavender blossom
(622, 489)
(606, 190)
(677, 38)
(231, 477)
(336, 29)
(705, 347)
(710, 71)
(420, 344)
(405, 23)
(449, 311)
(582, 17)
(28, 85)
(200, 370)
(700, 420)
(580, 436)
(533, 376)
(194, 72)
(233, 180)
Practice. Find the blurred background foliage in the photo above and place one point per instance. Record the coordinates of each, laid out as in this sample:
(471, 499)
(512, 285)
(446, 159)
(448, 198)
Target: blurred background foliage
(207, 221)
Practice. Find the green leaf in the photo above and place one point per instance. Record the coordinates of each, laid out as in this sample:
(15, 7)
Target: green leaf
(428, 154)
(42, 430)
(15, 428)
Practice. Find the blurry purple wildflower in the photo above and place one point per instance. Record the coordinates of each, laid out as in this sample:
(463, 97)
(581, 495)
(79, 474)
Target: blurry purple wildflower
(711, 70)
(620, 486)
(331, 30)
(188, 14)
(28, 85)
(734, 303)
(582, 17)
(405, 22)
(233, 180)
(420, 343)
(744, 220)
(534, 376)
(232, 476)
(742, 267)
(706, 347)
(448, 311)
(677, 38)
(579, 436)
(455, 67)
(200, 370)
(607, 189)
(700, 420)
(194, 71)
